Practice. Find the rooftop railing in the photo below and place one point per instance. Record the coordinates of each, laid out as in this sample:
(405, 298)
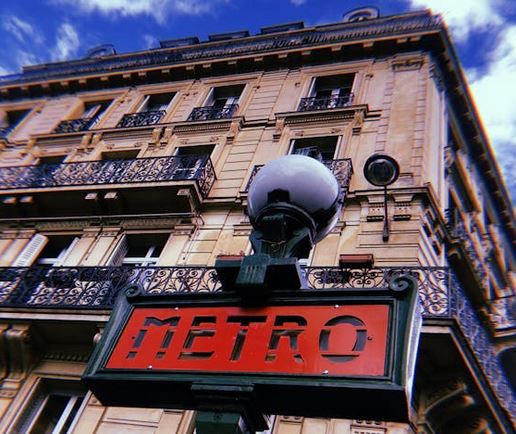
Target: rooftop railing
(440, 294)
(320, 35)
(138, 170)
(211, 113)
(141, 119)
(325, 103)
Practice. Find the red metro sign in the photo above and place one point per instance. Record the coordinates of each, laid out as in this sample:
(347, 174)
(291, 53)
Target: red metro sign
(335, 353)
(304, 340)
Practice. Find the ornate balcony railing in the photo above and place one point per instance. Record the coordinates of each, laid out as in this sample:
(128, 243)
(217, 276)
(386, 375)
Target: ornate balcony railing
(459, 232)
(139, 170)
(141, 119)
(342, 169)
(440, 294)
(75, 125)
(211, 113)
(325, 103)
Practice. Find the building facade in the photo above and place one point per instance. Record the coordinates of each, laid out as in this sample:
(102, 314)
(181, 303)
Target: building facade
(134, 168)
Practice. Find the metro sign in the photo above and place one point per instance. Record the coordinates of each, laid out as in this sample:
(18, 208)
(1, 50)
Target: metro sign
(339, 353)
(303, 340)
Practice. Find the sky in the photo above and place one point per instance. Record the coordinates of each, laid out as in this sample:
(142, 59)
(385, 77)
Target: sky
(484, 33)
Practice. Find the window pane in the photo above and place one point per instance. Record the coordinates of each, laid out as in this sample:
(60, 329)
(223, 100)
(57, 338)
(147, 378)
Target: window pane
(50, 414)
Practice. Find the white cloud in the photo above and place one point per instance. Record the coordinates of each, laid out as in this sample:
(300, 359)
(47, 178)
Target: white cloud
(463, 17)
(67, 42)
(495, 94)
(298, 2)
(22, 30)
(26, 58)
(158, 9)
(5, 71)
(150, 41)
(492, 87)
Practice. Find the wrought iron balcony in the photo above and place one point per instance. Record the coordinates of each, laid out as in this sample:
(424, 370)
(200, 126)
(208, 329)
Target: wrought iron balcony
(325, 103)
(141, 119)
(212, 113)
(342, 169)
(75, 125)
(440, 294)
(139, 170)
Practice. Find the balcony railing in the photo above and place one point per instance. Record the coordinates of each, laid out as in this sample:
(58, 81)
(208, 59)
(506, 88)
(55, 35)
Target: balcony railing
(440, 294)
(325, 103)
(459, 232)
(212, 113)
(75, 125)
(342, 169)
(139, 170)
(141, 119)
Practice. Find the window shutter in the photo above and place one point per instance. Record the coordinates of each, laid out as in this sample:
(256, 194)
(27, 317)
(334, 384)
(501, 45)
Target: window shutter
(119, 253)
(210, 99)
(31, 251)
(143, 105)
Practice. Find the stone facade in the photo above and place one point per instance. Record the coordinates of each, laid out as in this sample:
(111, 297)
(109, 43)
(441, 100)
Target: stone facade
(168, 191)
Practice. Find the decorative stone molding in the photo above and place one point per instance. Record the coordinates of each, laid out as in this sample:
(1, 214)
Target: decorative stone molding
(19, 357)
(435, 74)
(399, 64)
(183, 229)
(62, 225)
(109, 232)
(204, 127)
(334, 115)
(280, 125)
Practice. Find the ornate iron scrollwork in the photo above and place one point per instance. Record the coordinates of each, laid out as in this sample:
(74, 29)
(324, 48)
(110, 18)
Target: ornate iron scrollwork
(155, 169)
(325, 103)
(141, 119)
(212, 113)
(75, 125)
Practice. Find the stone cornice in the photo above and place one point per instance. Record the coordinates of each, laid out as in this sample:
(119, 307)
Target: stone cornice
(398, 25)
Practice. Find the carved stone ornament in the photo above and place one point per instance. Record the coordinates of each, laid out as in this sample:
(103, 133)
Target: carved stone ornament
(407, 64)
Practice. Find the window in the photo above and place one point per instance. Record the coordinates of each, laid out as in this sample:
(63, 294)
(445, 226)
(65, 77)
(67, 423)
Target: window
(329, 92)
(224, 96)
(120, 155)
(221, 103)
(56, 250)
(11, 121)
(94, 109)
(156, 102)
(53, 408)
(320, 148)
(54, 159)
(192, 158)
(142, 250)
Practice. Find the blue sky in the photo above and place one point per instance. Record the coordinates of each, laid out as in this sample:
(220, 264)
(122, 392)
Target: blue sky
(484, 31)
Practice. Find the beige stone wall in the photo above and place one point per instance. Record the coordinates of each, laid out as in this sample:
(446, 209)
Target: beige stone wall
(404, 118)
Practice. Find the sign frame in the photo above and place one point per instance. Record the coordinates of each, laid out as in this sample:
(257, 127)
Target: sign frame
(385, 397)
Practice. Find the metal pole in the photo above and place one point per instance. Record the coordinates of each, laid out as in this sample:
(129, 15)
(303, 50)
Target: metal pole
(386, 217)
(217, 422)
